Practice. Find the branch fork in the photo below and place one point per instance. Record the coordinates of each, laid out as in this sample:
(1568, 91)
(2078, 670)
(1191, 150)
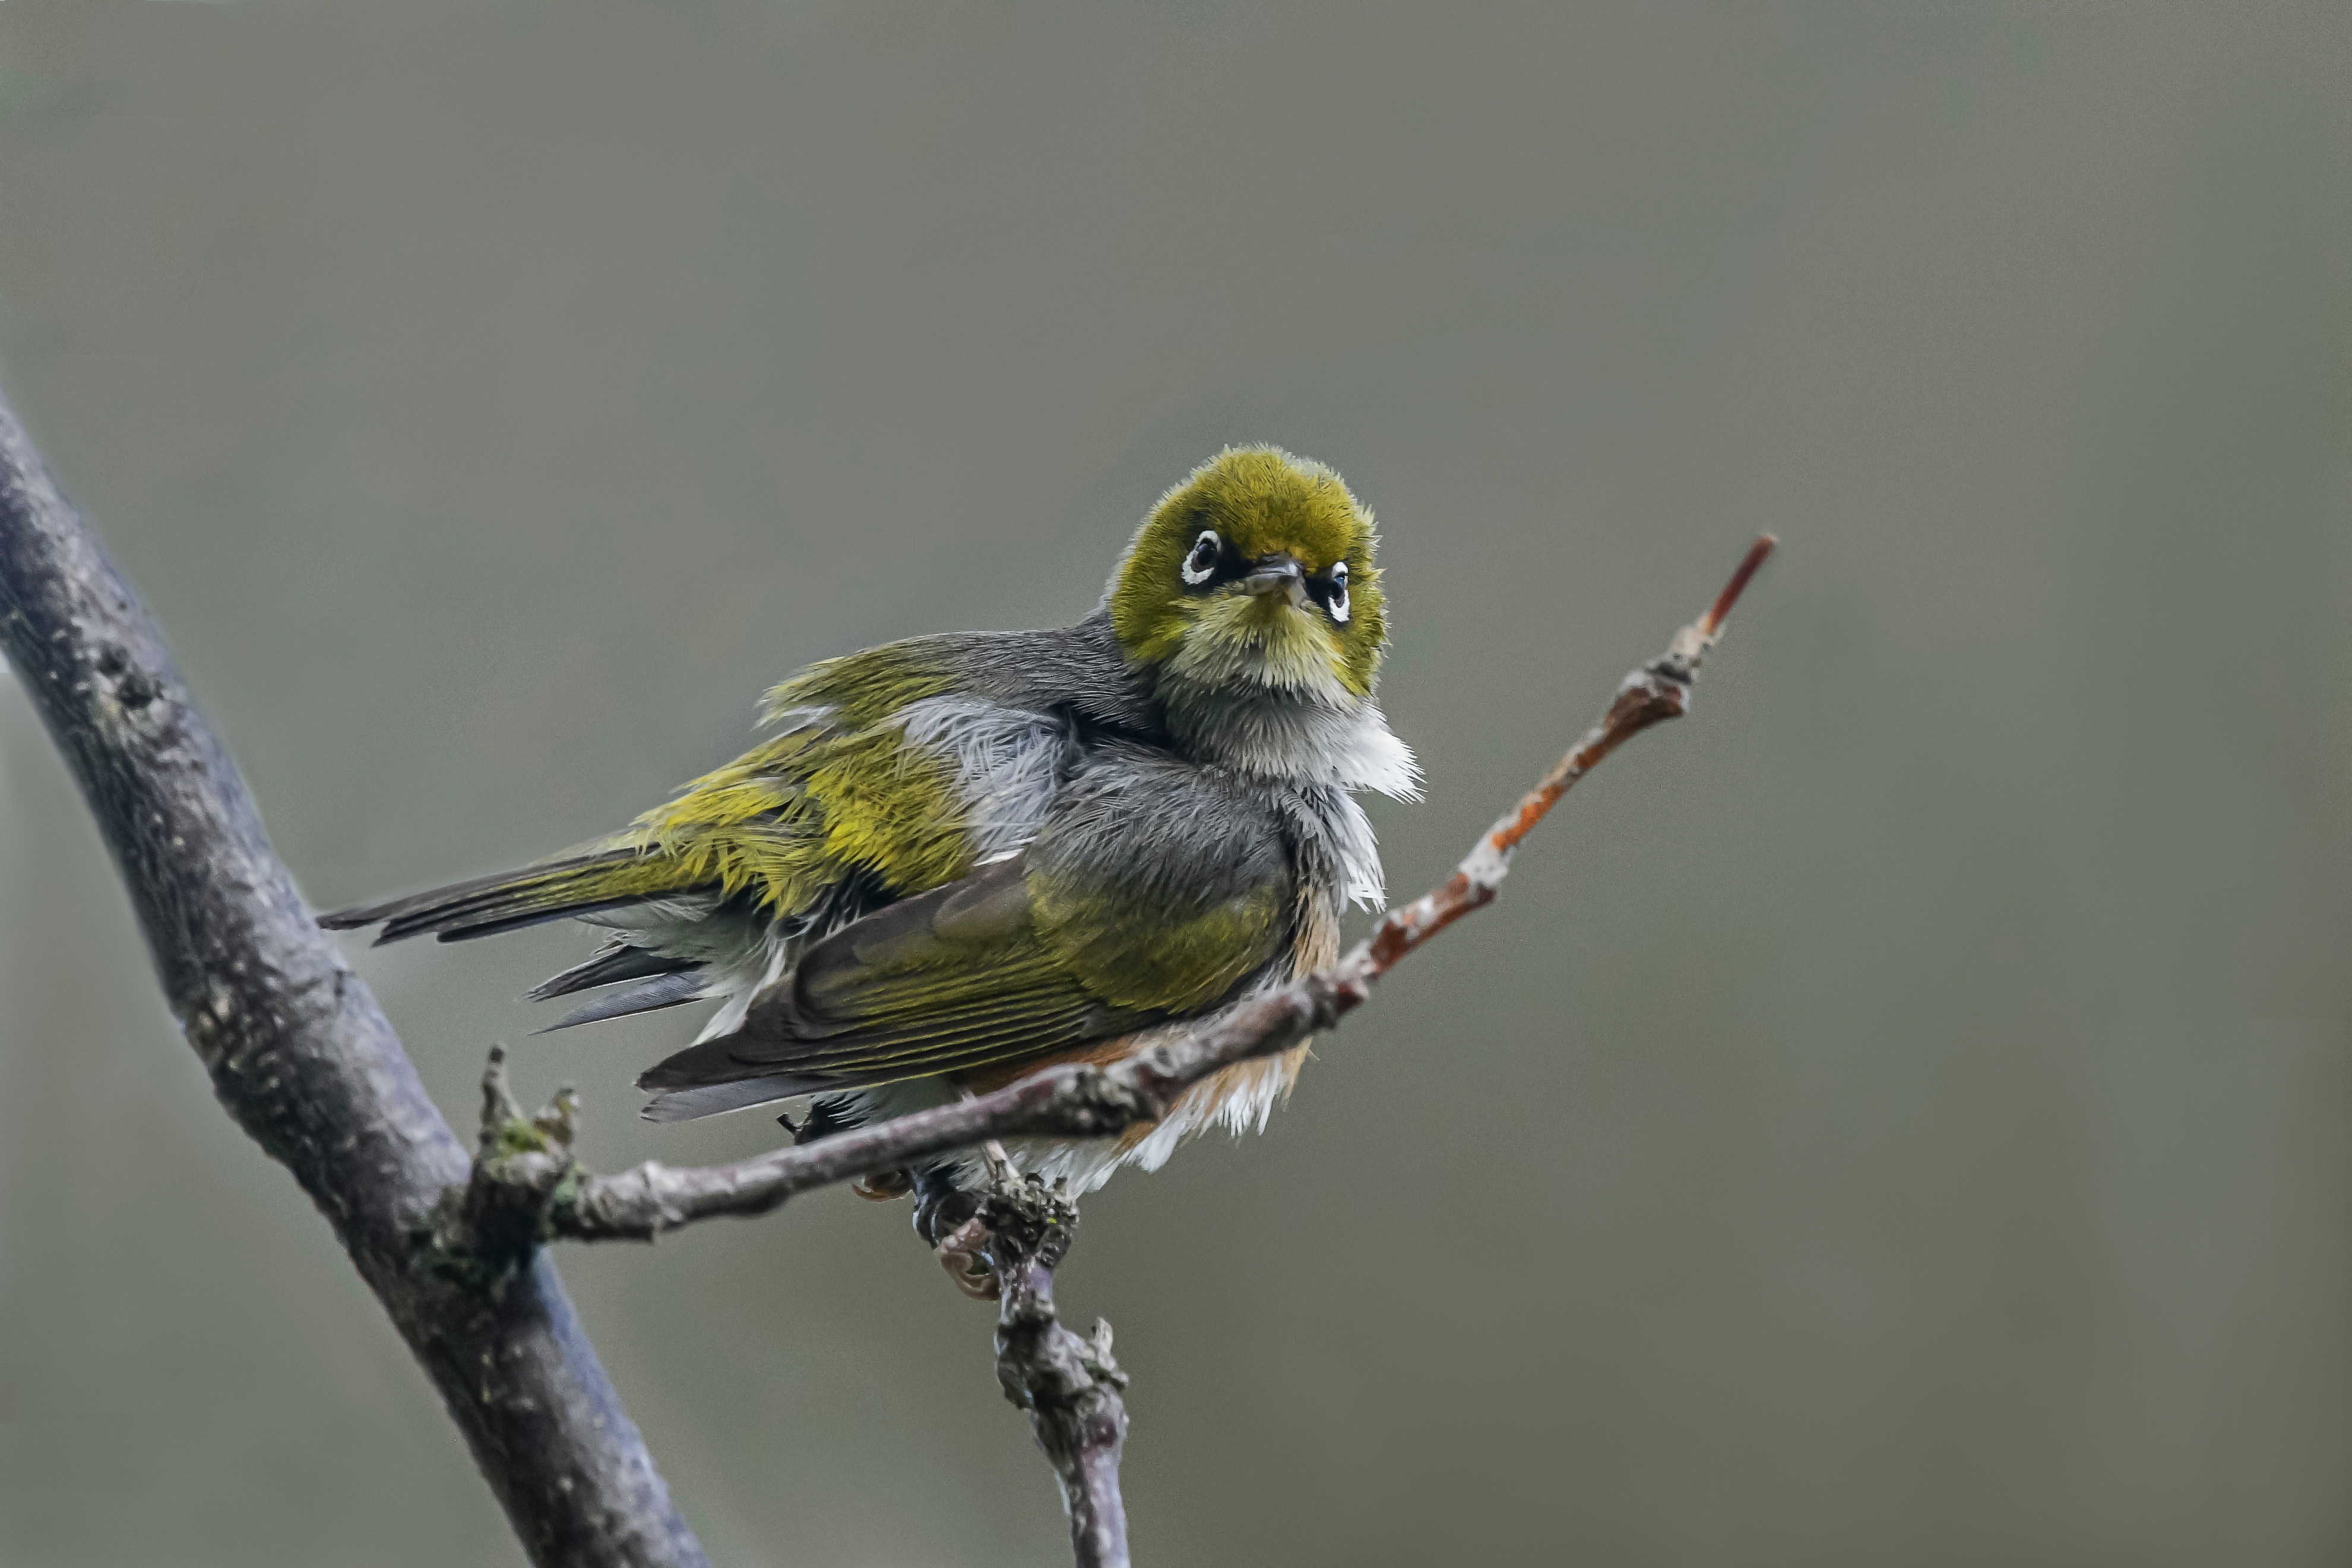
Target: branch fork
(483, 1233)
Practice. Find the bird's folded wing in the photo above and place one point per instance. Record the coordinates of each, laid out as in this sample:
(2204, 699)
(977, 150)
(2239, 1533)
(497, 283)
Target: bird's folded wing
(1057, 946)
(954, 977)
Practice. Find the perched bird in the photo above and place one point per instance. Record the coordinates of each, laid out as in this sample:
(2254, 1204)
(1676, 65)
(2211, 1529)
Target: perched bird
(957, 858)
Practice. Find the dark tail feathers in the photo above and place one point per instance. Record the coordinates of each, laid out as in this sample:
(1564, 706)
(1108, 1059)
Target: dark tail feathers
(553, 890)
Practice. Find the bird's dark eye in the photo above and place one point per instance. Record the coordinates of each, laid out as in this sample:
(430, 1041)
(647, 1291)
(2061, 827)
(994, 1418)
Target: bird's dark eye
(1334, 596)
(1201, 561)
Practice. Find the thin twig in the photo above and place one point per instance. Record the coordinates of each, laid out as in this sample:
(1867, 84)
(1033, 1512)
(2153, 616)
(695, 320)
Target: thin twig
(1082, 1100)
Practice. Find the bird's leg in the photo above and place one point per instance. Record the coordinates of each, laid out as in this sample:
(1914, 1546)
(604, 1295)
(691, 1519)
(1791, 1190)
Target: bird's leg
(947, 1218)
(950, 1218)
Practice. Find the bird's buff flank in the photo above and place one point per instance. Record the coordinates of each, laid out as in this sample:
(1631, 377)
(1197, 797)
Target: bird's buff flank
(958, 857)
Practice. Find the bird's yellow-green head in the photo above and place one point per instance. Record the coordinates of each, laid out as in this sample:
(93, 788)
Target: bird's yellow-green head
(1256, 571)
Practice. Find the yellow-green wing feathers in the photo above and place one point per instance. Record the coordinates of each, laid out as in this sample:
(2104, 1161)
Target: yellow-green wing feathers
(1096, 931)
(836, 792)
(838, 788)
(954, 977)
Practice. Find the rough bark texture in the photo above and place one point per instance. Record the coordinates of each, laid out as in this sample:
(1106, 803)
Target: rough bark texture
(298, 1052)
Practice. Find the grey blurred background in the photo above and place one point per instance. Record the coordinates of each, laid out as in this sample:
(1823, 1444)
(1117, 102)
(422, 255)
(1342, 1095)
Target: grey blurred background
(1900, 1115)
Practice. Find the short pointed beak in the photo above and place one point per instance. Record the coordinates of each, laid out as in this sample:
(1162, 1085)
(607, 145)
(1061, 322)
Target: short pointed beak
(1276, 574)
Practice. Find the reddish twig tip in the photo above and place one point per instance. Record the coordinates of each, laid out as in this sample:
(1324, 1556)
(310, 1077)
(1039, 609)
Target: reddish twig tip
(1711, 621)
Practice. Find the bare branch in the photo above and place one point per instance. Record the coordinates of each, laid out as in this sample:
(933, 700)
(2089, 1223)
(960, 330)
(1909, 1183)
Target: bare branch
(298, 1052)
(1071, 1100)
(1069, 1386)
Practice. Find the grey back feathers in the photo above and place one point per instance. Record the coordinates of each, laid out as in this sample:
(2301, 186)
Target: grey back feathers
(1008, 763)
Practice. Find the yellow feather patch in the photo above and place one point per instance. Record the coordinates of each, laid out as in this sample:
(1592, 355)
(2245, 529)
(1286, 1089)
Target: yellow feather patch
(839, 792)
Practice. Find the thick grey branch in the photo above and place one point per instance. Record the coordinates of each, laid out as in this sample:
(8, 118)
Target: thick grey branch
(298, 1052)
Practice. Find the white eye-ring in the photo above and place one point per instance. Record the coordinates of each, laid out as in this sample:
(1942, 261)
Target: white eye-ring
(1203, 561)
(1337, 602)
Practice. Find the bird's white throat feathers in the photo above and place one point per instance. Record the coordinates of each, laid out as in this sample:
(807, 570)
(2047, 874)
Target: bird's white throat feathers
(1301, 736)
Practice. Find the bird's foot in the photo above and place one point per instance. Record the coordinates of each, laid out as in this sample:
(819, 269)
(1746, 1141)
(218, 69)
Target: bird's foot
(960, 1254)
(949, 1218)
(883, 1187)
(978, 1234)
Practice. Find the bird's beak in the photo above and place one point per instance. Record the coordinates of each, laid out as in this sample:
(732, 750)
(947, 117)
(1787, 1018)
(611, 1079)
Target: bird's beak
(1275, 574)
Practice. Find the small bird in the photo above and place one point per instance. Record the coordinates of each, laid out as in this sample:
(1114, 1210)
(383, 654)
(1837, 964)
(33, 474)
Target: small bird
(957, 858)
